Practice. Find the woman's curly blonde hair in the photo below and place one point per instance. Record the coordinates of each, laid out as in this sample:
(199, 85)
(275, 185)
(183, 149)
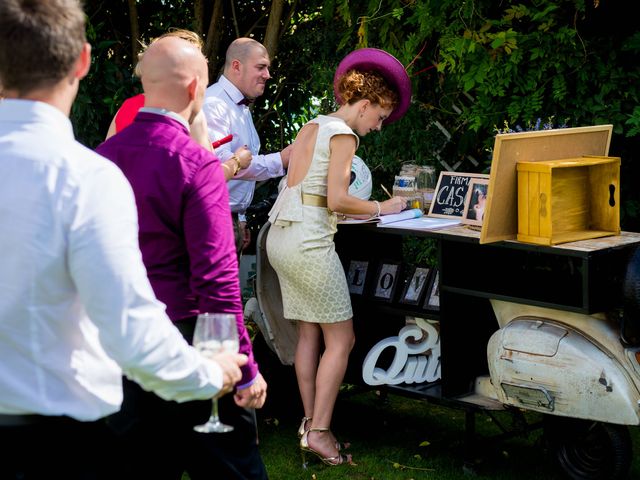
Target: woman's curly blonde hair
(372, 86)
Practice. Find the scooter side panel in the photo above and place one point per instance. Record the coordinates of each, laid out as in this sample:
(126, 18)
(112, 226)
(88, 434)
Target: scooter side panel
(541, 365)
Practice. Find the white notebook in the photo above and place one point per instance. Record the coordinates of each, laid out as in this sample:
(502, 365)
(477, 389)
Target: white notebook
(386, 219)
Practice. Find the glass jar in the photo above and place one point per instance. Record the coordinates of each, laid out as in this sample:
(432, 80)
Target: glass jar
(408, 169)
(426, 177)
(404, 186)
(426, 184)
(417, 201)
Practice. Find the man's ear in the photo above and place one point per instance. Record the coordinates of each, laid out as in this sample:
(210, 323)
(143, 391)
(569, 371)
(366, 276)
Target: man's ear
(235, 65)
(83, 64)
(192, 88)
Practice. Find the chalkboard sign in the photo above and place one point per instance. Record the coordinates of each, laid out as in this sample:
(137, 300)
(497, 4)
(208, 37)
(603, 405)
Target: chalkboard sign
(450, 194)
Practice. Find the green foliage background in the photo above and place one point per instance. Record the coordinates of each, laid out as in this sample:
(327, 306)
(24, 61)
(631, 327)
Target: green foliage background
(476, 67)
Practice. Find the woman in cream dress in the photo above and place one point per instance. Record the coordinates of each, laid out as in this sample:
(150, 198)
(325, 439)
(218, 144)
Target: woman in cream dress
(372, 88)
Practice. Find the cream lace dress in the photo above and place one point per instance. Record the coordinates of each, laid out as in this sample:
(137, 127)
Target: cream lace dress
(300, 244)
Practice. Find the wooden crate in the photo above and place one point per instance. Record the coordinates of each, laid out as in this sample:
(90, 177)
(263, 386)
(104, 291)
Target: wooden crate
(501, 209)
(568, 200)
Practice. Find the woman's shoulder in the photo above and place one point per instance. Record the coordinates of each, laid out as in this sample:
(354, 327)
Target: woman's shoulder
(333, 125)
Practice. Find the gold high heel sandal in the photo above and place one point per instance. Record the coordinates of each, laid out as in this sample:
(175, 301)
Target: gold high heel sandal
(331, 461)
(303, 428)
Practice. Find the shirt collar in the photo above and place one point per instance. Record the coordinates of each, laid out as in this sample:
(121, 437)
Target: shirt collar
(167, 113)
(22, 111)
(234, 93)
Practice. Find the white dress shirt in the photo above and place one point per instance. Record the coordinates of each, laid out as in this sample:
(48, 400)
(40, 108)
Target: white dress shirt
(76, 307)
(225, 116)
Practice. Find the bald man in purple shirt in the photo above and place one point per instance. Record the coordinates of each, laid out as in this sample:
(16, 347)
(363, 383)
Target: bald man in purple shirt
(187, 243)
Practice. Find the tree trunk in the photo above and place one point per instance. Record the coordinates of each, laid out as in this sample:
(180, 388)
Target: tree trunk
(213, 40)
(273, 27)
(135, 31)
(198, 16)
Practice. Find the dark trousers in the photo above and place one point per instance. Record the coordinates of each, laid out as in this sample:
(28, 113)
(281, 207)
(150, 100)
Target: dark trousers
(45, 448)
(157, 439)
(237, 234)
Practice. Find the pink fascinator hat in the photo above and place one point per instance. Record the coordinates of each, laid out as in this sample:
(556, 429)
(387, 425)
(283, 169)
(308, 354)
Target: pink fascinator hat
(374, 59)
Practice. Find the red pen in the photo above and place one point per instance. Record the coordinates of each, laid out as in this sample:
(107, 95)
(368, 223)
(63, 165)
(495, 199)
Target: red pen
(222, 141)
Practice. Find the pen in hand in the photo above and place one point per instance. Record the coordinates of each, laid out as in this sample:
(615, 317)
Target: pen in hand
(386, 191)
(391, 196)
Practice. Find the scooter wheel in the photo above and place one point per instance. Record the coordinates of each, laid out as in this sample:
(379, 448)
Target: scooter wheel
(588, 450)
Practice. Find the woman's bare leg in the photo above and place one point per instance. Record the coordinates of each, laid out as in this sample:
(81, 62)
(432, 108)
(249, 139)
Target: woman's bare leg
(306, 363)
(339, 340)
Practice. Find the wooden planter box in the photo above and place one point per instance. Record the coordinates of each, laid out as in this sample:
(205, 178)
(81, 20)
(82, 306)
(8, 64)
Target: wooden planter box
(567, 200)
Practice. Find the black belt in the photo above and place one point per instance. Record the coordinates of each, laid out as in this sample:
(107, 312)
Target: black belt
(186, 326)
(21, 420)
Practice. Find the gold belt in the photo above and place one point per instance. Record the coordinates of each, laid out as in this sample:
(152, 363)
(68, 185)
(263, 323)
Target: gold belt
(314, 200)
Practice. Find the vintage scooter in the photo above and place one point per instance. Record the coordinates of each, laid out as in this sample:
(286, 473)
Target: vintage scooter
(582, 371)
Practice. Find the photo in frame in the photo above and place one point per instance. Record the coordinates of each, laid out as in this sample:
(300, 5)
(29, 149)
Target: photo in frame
(432, 297)
(475, 202)
(357, 276)
(415, 285)
(386, 280)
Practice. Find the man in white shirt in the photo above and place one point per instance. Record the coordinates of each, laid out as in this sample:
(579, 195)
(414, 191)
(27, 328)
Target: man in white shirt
(76, 308)
(226, 108)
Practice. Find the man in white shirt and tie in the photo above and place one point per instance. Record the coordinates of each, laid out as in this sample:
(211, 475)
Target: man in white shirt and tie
(226, 108)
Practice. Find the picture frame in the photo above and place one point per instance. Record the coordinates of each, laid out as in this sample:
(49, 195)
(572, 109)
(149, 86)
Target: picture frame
(432, 297)
(357, 276)
(415, 285)
(386, 280)
(475, 203)
(450, 194)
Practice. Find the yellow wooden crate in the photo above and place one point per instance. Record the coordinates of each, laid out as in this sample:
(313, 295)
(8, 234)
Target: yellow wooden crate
(567, 200)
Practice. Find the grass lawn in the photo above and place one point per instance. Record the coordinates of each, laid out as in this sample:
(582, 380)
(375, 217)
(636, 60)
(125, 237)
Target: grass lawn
(398, 438)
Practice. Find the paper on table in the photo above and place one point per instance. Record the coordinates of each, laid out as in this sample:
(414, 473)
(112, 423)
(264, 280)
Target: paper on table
(386, 219)
(424, 223)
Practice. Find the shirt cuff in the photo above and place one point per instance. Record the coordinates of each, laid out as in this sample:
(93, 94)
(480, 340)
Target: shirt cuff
(246, 385)
(273, 162)
(249, 374)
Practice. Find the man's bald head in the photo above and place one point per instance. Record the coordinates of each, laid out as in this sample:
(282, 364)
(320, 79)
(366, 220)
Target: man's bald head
(241, 49)
(174, 76)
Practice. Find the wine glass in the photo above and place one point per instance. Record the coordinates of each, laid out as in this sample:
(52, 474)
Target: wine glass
(215, 333)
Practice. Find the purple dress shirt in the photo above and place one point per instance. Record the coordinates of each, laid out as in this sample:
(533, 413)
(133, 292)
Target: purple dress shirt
(185, 228)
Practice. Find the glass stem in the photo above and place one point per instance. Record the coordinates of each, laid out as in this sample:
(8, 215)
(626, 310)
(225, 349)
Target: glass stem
(214, 410)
